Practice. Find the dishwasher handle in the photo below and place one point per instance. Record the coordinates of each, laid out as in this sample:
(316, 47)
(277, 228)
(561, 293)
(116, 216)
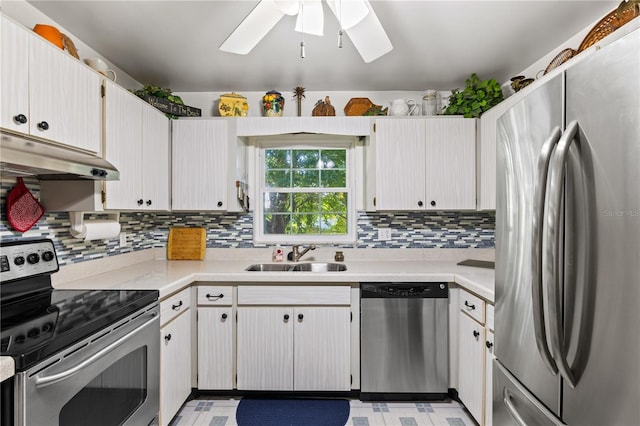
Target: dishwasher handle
(404, 290)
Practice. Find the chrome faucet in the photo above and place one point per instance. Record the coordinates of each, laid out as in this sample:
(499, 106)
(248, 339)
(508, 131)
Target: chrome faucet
(296, 254)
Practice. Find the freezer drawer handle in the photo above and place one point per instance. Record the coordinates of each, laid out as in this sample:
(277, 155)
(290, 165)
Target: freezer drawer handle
(470, 306)
(553, 235)
(506, 398)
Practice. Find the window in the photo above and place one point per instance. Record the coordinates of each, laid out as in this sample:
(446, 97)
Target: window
(305, 193)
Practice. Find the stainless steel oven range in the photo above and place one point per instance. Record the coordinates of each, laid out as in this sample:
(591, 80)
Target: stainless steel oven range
(81, 356)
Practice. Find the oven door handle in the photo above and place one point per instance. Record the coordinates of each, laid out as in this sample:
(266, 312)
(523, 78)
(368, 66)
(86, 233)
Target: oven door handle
(58, 377)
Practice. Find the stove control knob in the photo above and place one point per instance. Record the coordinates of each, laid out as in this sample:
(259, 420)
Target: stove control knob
(20, 338)
(19, 261)
(47, 256)
(33, 258)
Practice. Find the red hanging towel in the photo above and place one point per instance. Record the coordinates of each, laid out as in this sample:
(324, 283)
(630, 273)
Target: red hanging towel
(23, 210)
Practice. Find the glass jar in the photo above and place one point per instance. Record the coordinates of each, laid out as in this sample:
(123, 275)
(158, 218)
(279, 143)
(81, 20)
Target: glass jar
(431, 102)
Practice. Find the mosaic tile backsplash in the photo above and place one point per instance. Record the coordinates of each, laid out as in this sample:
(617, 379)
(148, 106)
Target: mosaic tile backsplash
(228, 230)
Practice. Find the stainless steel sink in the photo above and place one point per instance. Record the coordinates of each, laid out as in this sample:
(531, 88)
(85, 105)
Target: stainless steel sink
(270, 267)
(297, 267)
(319, 267)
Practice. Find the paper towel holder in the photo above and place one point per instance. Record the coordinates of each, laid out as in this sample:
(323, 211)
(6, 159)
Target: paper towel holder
(78, 228)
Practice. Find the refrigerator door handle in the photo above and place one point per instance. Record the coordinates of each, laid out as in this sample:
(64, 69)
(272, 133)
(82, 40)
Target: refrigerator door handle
(552, 270)
(536, 250)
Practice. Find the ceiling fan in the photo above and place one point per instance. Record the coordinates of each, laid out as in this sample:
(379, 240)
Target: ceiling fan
(356, 17)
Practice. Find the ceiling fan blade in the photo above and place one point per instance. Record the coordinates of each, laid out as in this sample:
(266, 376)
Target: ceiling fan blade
(253, 28)
(353, 11)
(313, 16)
(369, 37)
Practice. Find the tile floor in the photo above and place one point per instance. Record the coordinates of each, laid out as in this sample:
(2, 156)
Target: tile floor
(207, 411)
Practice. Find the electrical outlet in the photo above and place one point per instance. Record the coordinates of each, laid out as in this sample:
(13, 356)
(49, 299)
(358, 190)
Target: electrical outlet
(384, 234)
(123, 239)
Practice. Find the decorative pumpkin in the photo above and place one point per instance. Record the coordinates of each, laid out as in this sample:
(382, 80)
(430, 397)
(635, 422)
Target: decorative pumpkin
(323, 108)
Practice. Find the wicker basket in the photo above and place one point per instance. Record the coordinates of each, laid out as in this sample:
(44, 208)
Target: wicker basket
(357, 106)
(560, 59)
(614, 20)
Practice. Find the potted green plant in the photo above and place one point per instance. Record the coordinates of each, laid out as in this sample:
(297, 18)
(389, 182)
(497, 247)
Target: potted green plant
(476, 97)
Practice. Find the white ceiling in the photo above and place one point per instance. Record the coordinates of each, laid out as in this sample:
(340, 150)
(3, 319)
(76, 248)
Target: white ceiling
(437, 44)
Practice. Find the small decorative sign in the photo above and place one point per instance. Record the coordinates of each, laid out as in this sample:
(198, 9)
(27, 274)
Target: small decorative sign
(172, 108)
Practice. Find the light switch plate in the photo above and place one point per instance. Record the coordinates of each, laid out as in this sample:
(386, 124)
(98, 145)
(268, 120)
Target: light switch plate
(384, 234)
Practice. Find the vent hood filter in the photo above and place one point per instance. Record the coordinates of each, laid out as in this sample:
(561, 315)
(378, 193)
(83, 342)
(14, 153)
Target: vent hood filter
(24, 156)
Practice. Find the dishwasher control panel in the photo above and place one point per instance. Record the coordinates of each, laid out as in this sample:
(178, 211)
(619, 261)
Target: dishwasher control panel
(404, 290)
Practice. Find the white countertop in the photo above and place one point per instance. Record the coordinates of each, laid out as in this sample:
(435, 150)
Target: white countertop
(169, 276)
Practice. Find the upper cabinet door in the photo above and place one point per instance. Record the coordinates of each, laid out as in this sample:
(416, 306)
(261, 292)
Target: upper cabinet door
(123, 146)
(450, 163)
(200, 164)
(400, 168)
(14, 76)
(64, 98)
(155, 154)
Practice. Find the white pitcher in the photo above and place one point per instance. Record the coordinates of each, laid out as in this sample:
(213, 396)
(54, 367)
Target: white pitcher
(402, 107)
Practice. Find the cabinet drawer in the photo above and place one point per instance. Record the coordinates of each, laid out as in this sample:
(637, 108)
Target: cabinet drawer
(174, 305)
(489, 324)
(294, 295)
(215, 295)
(472, 305)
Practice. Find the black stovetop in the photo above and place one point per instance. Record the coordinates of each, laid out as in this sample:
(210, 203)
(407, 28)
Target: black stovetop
(42, 324)
(38, 321)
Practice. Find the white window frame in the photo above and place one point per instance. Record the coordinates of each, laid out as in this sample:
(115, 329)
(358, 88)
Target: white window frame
(305, 142)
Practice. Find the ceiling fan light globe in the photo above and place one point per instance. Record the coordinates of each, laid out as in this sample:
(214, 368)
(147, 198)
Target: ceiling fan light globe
(310, 18)
(288, 7)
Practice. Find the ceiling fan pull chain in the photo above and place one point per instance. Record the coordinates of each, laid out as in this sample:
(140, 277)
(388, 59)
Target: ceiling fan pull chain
(340, 31)
(302, 51)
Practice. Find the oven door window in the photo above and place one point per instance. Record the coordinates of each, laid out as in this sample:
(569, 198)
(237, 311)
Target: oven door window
(113, 396)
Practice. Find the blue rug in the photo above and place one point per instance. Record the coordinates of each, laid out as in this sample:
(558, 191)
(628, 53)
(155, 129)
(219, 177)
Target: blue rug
(292, 412)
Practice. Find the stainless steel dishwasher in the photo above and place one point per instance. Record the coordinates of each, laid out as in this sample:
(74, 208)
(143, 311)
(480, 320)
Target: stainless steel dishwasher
(404, 341)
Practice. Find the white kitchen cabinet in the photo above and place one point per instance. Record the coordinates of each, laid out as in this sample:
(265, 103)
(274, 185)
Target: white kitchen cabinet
(423, 164)
(175, 354)
(475, 354)
(137, 144)
(46, 93)
(216, 338)
(14, 76)
(265, 348)
(200, 164)
(488, 376)
(286, 339)
(471, 365)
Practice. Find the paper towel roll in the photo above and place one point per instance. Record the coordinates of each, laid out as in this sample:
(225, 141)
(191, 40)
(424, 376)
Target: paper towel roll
(101, 229)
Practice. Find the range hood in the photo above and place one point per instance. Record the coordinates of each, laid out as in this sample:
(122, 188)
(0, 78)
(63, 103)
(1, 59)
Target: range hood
(21, 155)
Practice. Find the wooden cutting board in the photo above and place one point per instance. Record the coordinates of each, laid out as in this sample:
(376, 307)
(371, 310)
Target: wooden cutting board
(187, 243)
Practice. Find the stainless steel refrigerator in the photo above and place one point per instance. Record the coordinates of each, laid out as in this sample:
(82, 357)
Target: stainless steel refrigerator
(567, 313)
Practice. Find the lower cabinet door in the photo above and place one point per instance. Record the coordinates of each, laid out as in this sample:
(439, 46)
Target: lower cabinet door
(215, 348)
(471, 365)
(265, 348)
(321, 359)
(488, 379)
(175, 366)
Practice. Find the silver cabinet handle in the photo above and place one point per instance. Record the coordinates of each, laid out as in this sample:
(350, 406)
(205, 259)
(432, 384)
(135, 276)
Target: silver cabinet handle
(536, 250)
(506, 398)
(55, 378)
(553, 234)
